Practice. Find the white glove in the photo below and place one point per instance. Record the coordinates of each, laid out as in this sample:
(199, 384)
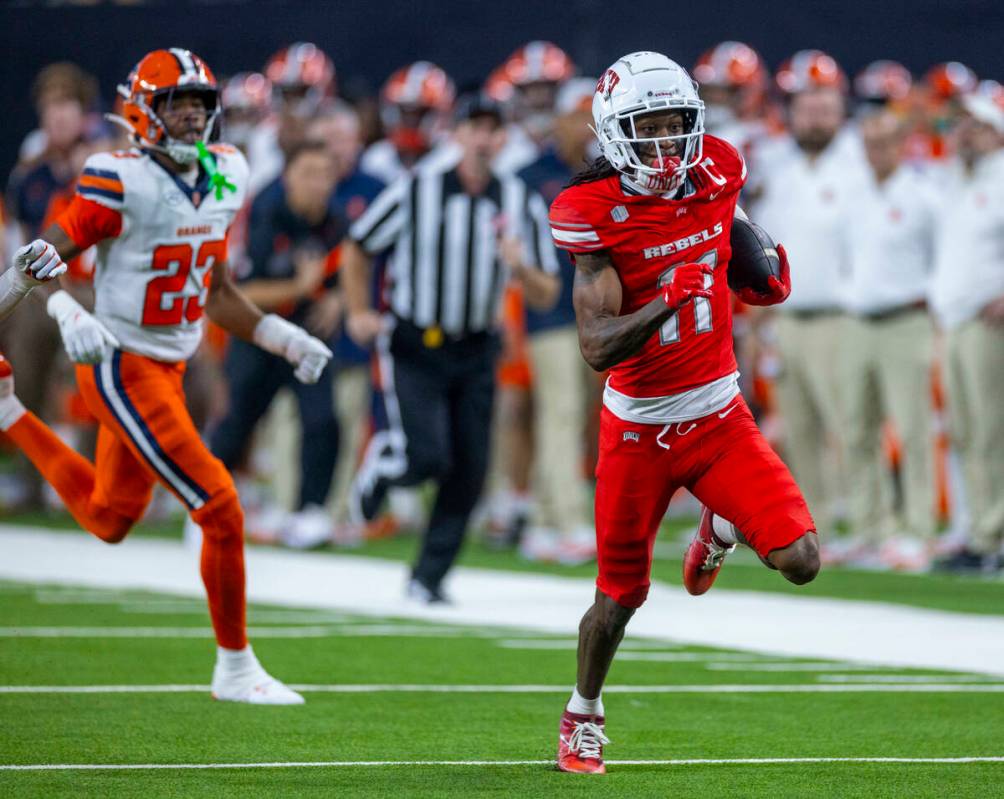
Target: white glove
(39, 260)
(86, 340)
(308, 354)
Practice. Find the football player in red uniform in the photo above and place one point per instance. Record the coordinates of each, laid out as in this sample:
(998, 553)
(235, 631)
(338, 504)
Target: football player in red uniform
(649, 226)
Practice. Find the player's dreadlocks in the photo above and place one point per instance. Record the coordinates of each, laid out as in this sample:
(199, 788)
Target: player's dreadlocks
(598, 169)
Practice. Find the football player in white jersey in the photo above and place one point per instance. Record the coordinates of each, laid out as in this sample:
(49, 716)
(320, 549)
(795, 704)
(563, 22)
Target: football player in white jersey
(159, 215)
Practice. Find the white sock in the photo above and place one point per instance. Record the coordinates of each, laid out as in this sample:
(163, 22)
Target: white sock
(236, 659)
(724, 530)
(11, 410)
(579, 705)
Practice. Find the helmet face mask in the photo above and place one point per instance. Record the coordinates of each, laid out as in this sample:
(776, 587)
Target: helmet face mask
(177, 145)
(641, 85)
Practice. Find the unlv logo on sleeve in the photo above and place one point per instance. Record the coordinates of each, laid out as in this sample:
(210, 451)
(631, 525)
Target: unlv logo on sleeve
(608, 80)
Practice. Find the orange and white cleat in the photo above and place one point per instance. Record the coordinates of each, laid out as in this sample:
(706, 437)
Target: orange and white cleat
(580, 744)
(704, 557)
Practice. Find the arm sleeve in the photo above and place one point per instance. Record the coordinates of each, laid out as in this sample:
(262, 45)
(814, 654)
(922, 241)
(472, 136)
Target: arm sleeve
(570, 228)
(379, 227)
(87, 222)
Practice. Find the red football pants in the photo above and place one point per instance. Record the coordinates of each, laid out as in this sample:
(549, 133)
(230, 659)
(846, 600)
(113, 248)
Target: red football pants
(722, 459)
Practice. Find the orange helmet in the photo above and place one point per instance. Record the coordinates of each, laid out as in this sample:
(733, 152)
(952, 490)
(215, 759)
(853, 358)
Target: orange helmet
(419, 85)
(950, 80)
(247, 91)
(536, 62)
(415, 103)
(302, 67)
(160, 74)
(498, 86)
(731, 64)
(992, 89)
(810, 69)
(882, 81)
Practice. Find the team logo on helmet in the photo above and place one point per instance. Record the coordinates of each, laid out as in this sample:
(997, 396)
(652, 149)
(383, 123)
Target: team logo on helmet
(608, 81)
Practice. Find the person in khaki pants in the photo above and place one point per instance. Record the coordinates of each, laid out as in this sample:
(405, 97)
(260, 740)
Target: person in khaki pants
(886, 353)
(967, 296)
(805, 189)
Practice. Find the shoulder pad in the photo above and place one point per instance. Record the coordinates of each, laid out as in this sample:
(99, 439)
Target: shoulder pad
(101, 180)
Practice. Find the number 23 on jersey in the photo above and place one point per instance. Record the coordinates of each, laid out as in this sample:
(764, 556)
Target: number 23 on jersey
(167, 302)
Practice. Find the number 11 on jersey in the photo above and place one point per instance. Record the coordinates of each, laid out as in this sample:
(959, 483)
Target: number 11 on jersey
(669, 333)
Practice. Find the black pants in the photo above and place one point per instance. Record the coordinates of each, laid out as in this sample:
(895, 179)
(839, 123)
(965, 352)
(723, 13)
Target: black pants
(255, 377)
(439, 407)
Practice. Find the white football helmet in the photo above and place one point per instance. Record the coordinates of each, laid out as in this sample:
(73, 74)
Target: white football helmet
(643, 83)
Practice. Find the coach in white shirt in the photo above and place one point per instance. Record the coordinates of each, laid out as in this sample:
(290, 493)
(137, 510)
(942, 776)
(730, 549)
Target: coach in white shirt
(967, 297)
(804, 193)
(886, 353)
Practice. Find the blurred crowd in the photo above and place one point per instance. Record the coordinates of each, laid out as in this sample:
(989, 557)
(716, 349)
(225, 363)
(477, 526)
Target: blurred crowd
(879, 380)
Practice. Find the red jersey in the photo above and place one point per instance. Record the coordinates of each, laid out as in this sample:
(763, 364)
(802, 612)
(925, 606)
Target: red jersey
(647, 237)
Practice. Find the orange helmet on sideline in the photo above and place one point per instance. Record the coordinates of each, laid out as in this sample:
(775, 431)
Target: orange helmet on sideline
(810, 69)
(731, 64)
(950, 80)
(537, 62)
(414, 105)
(303, 76)
(883, 81)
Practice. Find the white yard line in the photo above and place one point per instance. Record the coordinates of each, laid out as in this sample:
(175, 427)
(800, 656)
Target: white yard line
(421, 688)
(205, 631)
(785, 666)
(735, 660)
(163, 632)
(742, 761)
(779, 624)
(902, 678)
(627, 645)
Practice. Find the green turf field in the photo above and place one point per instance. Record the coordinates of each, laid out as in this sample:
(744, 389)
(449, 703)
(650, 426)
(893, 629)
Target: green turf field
(968, 594)
(489, 696)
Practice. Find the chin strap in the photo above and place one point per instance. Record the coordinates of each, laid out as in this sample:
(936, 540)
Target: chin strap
(217, 180)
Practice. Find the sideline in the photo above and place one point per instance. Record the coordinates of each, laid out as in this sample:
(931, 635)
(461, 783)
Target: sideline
(803, 627)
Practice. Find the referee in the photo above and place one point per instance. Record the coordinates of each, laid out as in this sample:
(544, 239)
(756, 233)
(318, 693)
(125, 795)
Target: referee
(457, 232)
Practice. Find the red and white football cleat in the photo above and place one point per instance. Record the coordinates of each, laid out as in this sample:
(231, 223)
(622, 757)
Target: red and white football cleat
(580, 744)
(704, 557)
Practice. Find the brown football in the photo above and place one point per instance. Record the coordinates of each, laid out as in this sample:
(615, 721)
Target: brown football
(754, 257)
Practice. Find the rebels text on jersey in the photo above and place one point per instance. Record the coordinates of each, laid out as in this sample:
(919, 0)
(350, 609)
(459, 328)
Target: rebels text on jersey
(646, 238)
(157, 239)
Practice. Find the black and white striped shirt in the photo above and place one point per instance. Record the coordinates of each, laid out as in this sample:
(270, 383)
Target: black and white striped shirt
(445, 267)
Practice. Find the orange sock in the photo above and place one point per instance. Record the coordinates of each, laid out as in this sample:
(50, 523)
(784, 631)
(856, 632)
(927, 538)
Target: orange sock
(222, 523)
(71, 474)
